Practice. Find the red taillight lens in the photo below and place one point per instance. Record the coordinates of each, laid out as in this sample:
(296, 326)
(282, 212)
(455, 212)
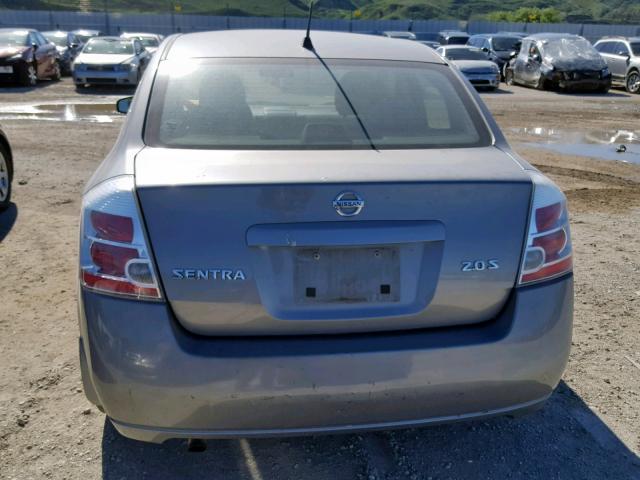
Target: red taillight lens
(111, 259)
(548, 251)
(114, 256)
(552, 244)
(547, 217)
(112, 227)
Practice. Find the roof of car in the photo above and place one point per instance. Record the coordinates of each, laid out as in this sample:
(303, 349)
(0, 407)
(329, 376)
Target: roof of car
(459, 47)
(496, 35)
(55, 33)
(111, 38)
(17, 30)
(551, 36)
(288, 44)
(138, 34)
(619, 38)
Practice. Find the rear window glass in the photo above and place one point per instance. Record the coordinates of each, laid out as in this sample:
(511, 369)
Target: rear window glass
(464, 54)
(505, 44)
(303, 104)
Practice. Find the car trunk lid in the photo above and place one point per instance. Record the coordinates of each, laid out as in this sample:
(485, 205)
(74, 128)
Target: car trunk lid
(252, 243)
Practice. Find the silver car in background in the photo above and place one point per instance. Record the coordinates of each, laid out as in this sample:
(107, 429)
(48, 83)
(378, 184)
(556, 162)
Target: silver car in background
(289, 240)
(150, 41)
(110, 60)
(475, 64)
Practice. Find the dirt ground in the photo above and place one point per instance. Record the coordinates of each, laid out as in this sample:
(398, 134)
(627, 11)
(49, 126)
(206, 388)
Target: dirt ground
(590, 429)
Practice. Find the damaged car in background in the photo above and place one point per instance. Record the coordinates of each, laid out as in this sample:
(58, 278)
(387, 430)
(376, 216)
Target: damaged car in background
(558, 61)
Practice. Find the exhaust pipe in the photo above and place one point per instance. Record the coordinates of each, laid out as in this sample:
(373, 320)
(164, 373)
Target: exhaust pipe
(196, 445)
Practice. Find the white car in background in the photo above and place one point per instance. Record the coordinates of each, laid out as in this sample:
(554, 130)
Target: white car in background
(474, 64)
(110, 60)
(150, 41)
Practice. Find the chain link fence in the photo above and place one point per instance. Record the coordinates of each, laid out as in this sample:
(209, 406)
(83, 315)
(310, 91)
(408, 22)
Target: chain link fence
(113, 23)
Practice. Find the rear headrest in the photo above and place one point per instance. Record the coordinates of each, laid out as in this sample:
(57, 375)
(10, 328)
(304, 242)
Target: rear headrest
(222, 89)
(363, 89)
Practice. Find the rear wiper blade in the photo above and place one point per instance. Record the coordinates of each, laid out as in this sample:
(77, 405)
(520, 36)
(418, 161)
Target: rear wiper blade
(346, 97)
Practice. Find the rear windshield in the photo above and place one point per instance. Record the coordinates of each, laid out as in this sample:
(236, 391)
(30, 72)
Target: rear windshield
(146, 41)
(303, 104)
(505, 44)
(464, 54)
(109, 46)
(60, 39)
(457, 40)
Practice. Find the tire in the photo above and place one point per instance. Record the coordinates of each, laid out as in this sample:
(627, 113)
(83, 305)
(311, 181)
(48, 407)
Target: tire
(6, 176)
(29, 76)
(632, 82)
(541, 84)
(57, 73)
(508, 76)
(603, 90)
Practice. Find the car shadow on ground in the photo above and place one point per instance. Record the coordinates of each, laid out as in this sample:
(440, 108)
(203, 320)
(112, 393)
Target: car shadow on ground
(565, 439)
(498, 91)
(17, 88)
(610, 94)
(123, 90)
(7, 220)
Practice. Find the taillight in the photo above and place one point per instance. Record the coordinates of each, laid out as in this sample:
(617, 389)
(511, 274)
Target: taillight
(114, 256)
(548, 250)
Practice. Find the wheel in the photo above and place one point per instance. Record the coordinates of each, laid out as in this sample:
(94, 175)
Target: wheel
(604, 89)
(57, 72)
(29, 76)
(6, 174)
(541, 84)
(508, 76)
(633, 82)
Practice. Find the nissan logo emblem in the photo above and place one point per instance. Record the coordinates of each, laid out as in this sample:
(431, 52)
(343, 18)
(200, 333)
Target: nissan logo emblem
(348, 204)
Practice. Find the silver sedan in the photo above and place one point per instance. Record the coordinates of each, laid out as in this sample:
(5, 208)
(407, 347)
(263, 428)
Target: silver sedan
(111, 61)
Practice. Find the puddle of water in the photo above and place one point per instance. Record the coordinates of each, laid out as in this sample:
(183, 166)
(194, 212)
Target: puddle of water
(57, 112)
(600, 144)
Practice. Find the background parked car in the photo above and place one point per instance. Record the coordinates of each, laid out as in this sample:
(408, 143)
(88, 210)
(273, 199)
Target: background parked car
(429, 43)
(474, 64)
(110, 60)
(68, 46)
(623, 57)
(85, 35)
(556, 60)
(6, 172)
(26, 56)
(500, 46)
(150, 41)
(452, 37)
(403, 35)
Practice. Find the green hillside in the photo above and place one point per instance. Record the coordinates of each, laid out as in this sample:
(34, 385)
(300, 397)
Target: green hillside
(611, 11)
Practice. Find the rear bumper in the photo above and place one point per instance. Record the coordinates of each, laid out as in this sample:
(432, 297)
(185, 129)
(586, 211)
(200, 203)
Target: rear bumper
(156, 381)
